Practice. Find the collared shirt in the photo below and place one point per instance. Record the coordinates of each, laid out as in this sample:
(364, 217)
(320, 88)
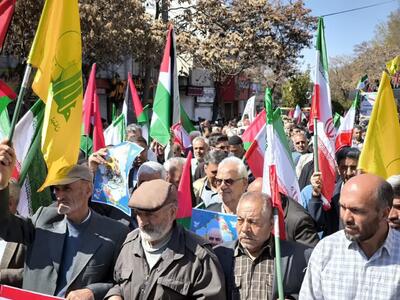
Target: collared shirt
(254, 278)
(208, 196)
(3, 244)
(339, 269)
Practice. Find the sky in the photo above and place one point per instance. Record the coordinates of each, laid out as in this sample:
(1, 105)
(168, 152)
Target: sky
(344, 31)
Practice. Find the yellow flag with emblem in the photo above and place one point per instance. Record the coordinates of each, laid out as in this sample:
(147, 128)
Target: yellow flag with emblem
(381, 151)
(57, 54)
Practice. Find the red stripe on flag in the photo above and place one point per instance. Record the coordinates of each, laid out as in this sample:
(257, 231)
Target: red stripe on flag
(255, 159)
(167, 52)
(6, 91)
(6, 12)
(344, 139)
(137, 104)
(327, 170)
(185, 191)
(315, 105)
(276, 200)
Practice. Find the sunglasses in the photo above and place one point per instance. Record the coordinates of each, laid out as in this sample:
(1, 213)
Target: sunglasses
(227, 182)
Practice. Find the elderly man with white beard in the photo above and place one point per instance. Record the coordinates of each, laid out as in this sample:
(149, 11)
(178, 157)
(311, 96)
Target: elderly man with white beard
(160, 259)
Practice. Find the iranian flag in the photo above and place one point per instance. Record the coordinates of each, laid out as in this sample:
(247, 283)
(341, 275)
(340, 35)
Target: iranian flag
(6, 96)
(91, 115)
(31, 166)
(254, 129)
(344, 136)
(321, 111)
(166, 107)
(255, 153)
(184, 214)
(297, 114)
(278, 153)
(250, 109)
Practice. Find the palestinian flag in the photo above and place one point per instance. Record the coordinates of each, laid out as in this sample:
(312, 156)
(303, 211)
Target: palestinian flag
(91, 115)
(184, 214)
(115, 133)
(141, 114)
(166, 107)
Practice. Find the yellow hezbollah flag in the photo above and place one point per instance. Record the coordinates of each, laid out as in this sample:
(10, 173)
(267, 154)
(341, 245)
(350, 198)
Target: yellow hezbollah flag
(57, 54)
(381, 151)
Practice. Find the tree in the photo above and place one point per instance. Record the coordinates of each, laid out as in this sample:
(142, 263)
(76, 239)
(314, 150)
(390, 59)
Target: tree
(297, 90)
(369, 58)
(230, 37)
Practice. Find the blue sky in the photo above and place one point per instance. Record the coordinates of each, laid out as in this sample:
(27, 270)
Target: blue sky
(344, 31)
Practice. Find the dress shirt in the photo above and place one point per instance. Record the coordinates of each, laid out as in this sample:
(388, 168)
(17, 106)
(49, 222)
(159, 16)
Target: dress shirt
(3, 244)
(339, 269)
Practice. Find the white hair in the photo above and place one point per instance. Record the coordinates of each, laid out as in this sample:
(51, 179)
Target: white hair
(152, 167)
(240, 166)
(174, 162)
(200, 138)
(194, 134)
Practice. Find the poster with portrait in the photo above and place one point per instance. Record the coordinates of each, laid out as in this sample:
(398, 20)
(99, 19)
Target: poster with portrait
(111, 179)
(213, 226)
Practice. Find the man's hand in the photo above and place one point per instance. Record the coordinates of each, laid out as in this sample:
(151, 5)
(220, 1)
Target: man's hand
(7, 163)
(97, 158)
(316, 183)
(82, 294)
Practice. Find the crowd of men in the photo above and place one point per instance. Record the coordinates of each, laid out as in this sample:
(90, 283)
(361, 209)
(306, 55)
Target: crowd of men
(76, 249)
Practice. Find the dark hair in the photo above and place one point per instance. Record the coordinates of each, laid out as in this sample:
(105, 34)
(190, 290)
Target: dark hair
(212, 139)
(214, 157)
(138, 139)
(347, 152)
(359, 127)
(222, 138)
(384, 195)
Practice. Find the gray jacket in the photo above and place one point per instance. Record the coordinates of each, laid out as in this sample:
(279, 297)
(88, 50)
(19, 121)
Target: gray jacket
(44, 235)
(188, 269)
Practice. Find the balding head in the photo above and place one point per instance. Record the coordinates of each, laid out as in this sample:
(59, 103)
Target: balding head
(374, 189)
(254, 222)
(364, 209)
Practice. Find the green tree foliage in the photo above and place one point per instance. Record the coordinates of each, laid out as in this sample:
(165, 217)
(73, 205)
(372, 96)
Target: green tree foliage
(297, 90)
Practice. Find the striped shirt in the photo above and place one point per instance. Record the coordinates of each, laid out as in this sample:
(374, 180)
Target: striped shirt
(254, 278)
(339, 269)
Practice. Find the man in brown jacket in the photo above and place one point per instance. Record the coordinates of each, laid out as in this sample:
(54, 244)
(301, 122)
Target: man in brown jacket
(160, 259)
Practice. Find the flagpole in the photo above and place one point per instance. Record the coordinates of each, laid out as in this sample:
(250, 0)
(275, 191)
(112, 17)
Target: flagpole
(20, 100)
(278, 259)
(315, 147)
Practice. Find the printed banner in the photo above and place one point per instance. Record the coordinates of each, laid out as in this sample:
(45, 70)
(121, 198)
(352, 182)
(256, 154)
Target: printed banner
(111, 179)
(367, 103)
(12, 293)
(215, 227)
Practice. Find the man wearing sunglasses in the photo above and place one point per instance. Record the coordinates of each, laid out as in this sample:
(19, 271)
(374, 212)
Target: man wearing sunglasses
(160, 259)
(232, 182)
